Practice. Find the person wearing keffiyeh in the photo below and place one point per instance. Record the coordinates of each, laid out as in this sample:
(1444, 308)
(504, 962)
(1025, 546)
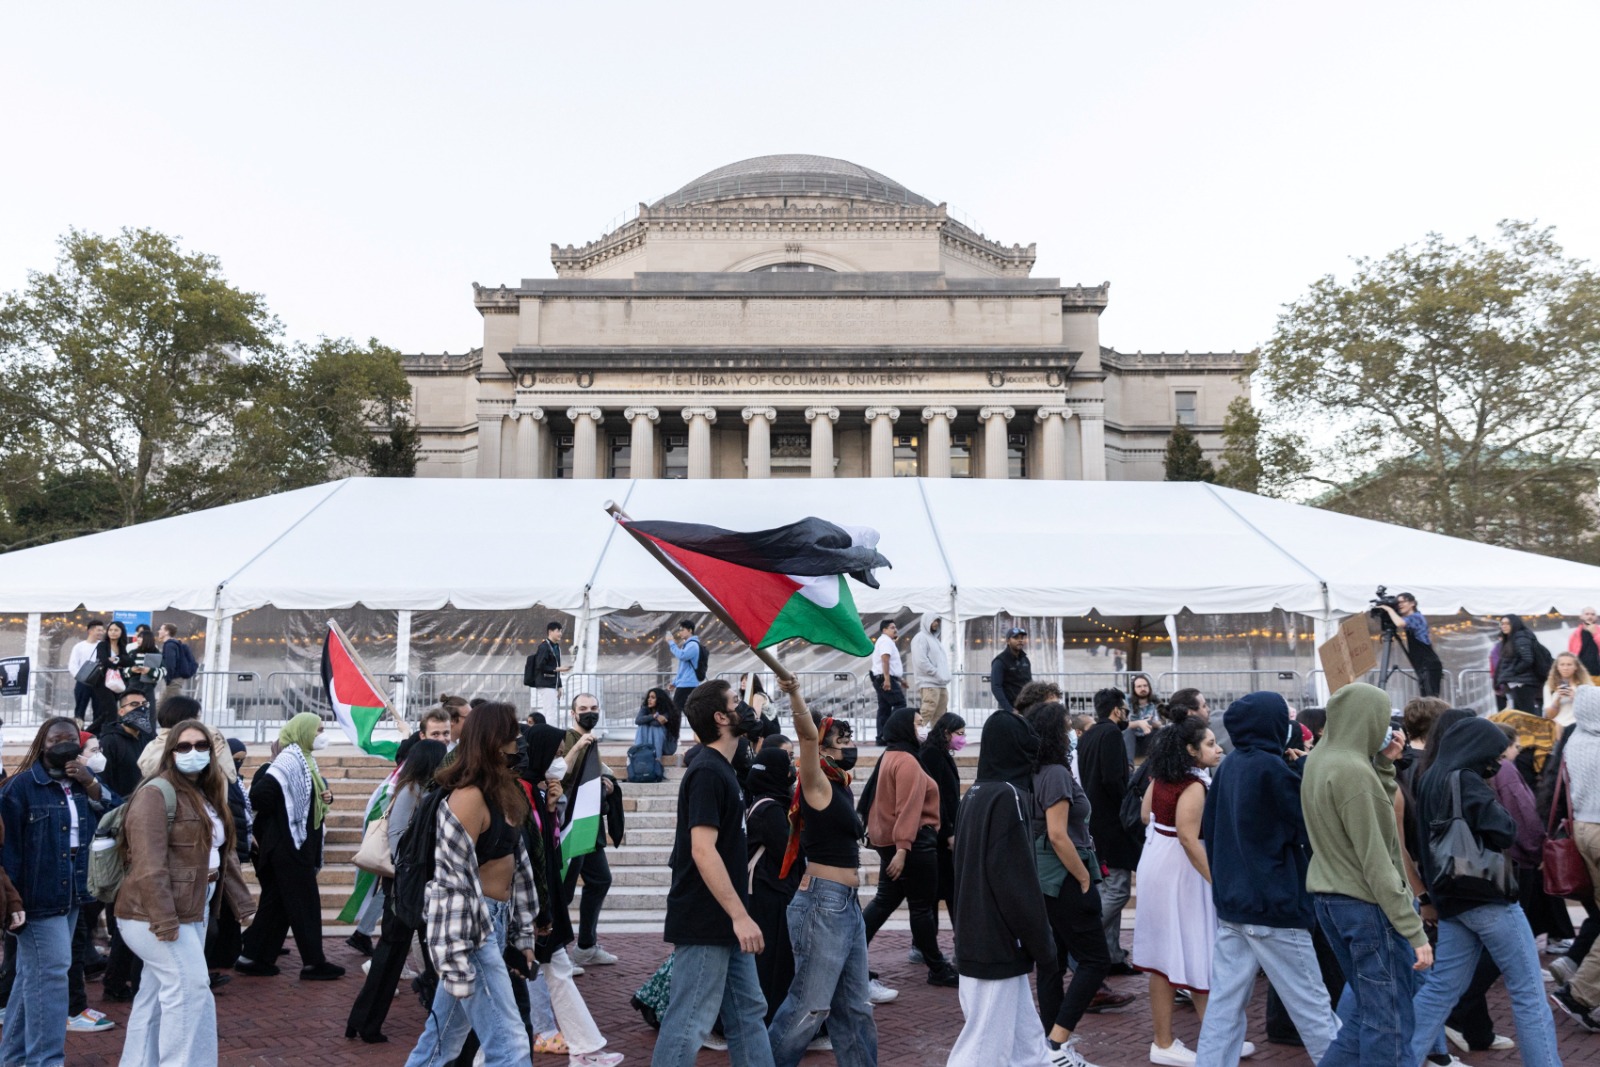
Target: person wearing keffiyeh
(290, 800)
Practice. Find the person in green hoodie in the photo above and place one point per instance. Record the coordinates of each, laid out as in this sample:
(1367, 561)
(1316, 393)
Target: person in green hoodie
(1362, 901)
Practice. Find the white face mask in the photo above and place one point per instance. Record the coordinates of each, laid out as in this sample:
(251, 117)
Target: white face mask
(557, 771)
(96, 763)
(922, 733)
(321, 742)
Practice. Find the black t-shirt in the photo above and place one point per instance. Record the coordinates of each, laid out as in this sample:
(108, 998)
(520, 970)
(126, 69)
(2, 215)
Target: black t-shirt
(709, 796)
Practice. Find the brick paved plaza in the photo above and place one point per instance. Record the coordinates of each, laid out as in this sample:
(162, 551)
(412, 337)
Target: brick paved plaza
(282, 1021)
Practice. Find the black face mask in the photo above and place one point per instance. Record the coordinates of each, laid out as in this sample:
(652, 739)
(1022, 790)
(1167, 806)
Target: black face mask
(748, 722)
(847, 759)
(58, 756)
(588, 720)
(513, 759)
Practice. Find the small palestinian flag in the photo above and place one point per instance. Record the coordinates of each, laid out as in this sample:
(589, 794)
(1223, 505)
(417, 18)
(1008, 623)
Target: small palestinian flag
(780, 583)
(357, 703)
(582, 831)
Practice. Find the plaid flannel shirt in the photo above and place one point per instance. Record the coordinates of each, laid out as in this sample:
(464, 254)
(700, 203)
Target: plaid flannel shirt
(458, 918)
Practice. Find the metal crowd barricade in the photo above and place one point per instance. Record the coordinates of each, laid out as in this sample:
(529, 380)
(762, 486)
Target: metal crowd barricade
(971, 697)
(1402, 687)
(621, 696)
(244, 703)
(288, 693)
(836, 694)
(1475, 689)
(50, 692)
(1222, 688)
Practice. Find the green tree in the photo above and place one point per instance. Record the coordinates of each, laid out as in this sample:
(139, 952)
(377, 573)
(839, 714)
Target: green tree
(136, 382)
(1185, 460)
(1445, 387)
(395, 456)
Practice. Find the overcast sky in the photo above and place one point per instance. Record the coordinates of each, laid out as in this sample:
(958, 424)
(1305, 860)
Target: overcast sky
(361, 164)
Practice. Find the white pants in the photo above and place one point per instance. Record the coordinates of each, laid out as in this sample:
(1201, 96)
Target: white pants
(1002, 1025)
(545, 702)
(174, 1018)
(572, 1014)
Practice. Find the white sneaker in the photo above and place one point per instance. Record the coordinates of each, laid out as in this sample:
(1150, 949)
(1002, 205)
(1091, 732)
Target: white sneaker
(715, 1042)
(820, 1043)
(406, 973)
(1247, 1050)
(366, 968)
(1558, 948)
(89, 1020)
(878, 993)
(1500, 1043)
(1176, 1054)
(1068, 1056)
(596, 1059)
(576, 970)
(594, 956)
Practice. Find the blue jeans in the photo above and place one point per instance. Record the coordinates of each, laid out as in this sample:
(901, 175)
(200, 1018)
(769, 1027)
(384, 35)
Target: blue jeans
(707, 979)
(1376, 962)
(829, 937)
(490, 1012)
(1290, 961)
(174, 1018)
(36, 1017)
(541, 1016)
(1503, 930)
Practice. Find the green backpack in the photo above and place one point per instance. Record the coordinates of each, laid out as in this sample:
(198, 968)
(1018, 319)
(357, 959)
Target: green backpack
(108, 852)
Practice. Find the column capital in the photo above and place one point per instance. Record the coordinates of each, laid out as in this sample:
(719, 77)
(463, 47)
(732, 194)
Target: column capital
(929, 414)
(709, 414)
(1004, 414)
(873, 414)
(1046, 413)
(576, 413)
(653, 414)
(770, 414)
(536, 414)
(831, 414)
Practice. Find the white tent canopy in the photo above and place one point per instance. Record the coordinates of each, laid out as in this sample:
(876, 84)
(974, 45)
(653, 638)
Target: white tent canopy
(972, 547)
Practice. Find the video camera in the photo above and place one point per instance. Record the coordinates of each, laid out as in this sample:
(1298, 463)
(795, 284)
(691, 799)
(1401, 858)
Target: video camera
(1381, 601)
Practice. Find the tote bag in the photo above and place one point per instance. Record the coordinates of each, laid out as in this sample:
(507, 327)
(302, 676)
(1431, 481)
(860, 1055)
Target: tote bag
(1565, 873)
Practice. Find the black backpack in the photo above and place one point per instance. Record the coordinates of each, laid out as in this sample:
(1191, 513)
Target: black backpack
(1543, 661)
(414, 860)
(187, 667)
(1131, 813)
(644, 765)
(702, 662)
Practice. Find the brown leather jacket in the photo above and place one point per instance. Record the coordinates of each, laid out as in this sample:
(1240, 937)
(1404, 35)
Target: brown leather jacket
(167, 874)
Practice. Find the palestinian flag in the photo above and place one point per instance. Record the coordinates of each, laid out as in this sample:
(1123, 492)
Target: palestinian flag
(780, 583)
(366, 881)
(357, 703)
(581, 833)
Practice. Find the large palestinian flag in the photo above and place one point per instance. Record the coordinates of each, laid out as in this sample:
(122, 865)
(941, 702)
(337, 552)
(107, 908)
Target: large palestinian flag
(357, 704)
(780, 583)
(581, 833)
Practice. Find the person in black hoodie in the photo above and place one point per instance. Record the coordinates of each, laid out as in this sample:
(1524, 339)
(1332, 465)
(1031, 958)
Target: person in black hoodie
(937, 755)
(1103, 769)
(1475, 913)
(1255, 838)
(768, 787)
(1002, 931)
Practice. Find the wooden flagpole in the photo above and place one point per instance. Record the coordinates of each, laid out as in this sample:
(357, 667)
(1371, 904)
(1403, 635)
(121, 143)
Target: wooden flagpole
(361, 666)
(698, 590)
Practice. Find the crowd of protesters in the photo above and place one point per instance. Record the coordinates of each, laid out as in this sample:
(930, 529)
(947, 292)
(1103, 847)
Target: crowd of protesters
(1384, 868)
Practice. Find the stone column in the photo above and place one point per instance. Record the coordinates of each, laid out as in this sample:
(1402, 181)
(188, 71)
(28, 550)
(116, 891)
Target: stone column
(994, 440)
(1052, 442)
(936, 445)
(758, 457)
(700, 420)
(882, 421)
(528, 434)
(822, 420)
(489, 444)
(1092, 434)
(585, 442)
(642, 448)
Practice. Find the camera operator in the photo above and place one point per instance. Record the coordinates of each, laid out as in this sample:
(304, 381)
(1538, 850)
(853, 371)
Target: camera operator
(1412, 626)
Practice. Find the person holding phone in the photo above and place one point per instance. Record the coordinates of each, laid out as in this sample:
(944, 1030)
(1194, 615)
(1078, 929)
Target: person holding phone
(1566, 674)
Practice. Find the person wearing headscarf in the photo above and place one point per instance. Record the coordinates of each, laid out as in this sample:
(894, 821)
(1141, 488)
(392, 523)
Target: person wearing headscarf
(290, 800)
(1477, 913)
(768, 787)
(1002, 931)
(903, 828)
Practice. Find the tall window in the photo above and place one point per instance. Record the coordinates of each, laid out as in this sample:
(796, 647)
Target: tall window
(621, 465)
(1016, 455)
(905, 455)
(1184, 401)
(564, 456)
(961, 455)
(676, 455)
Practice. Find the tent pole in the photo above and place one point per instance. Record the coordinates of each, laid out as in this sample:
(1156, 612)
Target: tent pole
(402, 660)
(30, 648)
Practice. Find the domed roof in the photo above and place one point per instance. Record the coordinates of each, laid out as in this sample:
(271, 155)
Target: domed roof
(796, 175)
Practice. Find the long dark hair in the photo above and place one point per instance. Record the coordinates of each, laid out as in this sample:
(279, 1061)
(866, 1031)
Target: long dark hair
(479, 763)
(1050, 722)
(120, 645)
(36, 750)
(421, 763)
(210, 785)
(1152, 699)
(147, 642)
(1170, 759)
(663, 701)
(941, 731)
(1180, 705)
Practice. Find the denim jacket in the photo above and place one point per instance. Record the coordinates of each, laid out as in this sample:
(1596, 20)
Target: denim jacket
(38, 855)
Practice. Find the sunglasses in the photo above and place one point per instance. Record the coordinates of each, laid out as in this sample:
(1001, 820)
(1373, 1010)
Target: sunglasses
(186, 747)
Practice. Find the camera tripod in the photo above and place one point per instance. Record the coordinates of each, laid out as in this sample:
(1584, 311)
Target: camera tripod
(1387, 668)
